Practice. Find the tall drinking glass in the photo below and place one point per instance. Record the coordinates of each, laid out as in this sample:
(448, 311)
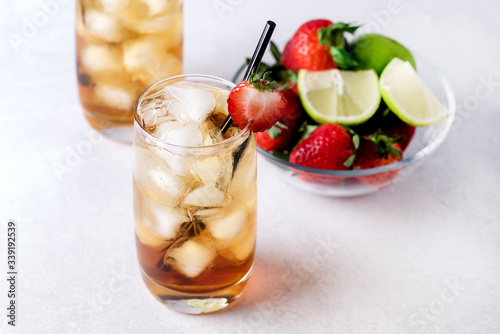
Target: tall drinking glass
(195, 195)
(123, 47)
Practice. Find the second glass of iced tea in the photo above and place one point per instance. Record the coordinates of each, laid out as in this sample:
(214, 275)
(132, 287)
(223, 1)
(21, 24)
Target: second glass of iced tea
(195, 195)
(123, 47)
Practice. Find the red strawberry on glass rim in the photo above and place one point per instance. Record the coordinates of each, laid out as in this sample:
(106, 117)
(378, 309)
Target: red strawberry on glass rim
(258, 101)
(330, 146)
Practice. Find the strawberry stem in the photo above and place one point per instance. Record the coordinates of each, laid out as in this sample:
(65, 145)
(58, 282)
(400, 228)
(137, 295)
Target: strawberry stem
(384, 144)
(334, 37)
(263, 85)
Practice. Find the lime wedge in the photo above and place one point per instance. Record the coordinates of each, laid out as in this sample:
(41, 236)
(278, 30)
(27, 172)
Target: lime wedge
(336, 96)
(407, 96)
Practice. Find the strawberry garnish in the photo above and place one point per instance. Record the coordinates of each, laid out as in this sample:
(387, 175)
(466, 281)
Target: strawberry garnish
(258, 101)
(318, 45)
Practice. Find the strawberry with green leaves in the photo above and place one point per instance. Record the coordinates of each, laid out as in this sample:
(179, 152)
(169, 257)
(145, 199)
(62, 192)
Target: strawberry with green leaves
(318, 45)
(330, 146)
(400, 129)
(257, 101)
(386, 122)
(375, 151)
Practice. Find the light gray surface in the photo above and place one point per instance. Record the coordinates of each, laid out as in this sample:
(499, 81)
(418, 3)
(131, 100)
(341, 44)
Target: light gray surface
(424, 258)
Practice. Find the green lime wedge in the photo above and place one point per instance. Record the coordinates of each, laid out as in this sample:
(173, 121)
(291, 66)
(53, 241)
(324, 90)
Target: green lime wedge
(407, 96)
(336, 96)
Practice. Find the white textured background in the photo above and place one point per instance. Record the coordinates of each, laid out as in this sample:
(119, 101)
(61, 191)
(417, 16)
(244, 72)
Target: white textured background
(424, 258)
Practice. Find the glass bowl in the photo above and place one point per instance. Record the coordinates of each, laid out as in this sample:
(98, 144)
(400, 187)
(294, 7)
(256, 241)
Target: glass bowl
(353, 182)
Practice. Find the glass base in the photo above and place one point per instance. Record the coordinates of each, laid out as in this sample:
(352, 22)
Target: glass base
(196, 303)
(122, 131)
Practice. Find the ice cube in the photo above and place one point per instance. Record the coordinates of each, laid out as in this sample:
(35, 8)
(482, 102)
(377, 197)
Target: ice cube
(191, 258)
(202, 213)
(242, 245)
(147, 237)
(169, 66)
(141, 53)
(144, 235)
(167, 182)
(147, 59)
(115, 97)
(212, 137)
(156, 7)
(189, 102)
(215, 90)
(155, 25)
(104, 26)
(206, 196)
(209, 170)
(211, 133)
(155, 179)
(113, 5)
(100, 58)
(222, 107)
(229, 223)
(179, 164)
(164, 221)
(180, 133)
(242, 187)
(150, 112)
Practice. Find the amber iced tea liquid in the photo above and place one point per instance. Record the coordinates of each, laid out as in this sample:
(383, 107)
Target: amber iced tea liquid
(123, 47)
(194, 195)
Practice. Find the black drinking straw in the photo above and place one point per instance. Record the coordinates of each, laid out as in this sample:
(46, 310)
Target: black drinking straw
(265, 38)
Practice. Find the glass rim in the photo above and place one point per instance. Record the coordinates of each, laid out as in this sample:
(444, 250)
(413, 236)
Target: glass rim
(137, 124)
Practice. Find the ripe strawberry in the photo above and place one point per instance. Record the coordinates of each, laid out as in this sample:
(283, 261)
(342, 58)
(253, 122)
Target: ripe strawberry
(293, 87)
(388, 123)
(293, 111)
(402, 130)
(371, 155)
(305, 51)
(328, 147)
(274, 141)
(279, 136)
(256, 100)
(319, 45)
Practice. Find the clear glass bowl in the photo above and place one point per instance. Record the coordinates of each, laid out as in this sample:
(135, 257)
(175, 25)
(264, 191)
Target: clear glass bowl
(346, 183)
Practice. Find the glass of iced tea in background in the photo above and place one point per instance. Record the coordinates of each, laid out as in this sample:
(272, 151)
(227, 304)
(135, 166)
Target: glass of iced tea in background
(195, 195)
(123, 47)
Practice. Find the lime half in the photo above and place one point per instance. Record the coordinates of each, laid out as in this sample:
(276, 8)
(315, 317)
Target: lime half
(407, 96)
(336, 96)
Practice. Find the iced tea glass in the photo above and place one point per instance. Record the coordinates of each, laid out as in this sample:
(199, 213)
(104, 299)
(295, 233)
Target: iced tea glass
(195, 195)
(123, 47)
